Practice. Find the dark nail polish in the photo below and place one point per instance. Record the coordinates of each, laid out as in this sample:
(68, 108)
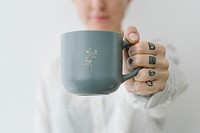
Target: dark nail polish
(130, 61)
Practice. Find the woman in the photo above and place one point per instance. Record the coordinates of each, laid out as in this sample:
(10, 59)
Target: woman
(136, 108)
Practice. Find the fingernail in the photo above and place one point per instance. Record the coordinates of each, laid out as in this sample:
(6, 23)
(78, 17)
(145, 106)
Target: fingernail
(130, 61)
(133, 36)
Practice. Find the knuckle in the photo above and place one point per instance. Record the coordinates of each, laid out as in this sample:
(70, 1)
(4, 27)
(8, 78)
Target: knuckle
(138, 60)
(141, 76)
(166, 75)
(162, 48)
(163, 75)
(144, 74)
(162, 86)
(139, 49)
(166, 64)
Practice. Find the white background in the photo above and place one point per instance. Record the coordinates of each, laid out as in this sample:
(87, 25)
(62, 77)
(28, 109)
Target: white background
(29, 35)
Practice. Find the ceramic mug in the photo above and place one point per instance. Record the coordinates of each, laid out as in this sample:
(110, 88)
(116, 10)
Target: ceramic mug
(91, 62)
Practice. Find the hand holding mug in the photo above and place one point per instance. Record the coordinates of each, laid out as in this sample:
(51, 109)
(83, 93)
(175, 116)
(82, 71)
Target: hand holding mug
(151, 57)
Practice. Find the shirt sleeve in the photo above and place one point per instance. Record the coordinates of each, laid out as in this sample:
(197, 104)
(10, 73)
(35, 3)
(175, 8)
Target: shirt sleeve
(156, 104)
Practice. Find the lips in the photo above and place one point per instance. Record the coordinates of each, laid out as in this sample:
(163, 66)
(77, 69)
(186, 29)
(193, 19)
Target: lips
(98, 17)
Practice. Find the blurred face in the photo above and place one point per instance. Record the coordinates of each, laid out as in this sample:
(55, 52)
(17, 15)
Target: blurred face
(102, 14)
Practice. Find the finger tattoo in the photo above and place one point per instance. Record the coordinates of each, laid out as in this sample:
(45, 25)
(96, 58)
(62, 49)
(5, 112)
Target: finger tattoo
(131, 51)
(152, 60)
(130, 61)
(152, 73)
(151, 46)
(149, 83)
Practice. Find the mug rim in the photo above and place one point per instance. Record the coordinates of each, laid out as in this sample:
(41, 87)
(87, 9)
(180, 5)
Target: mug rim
(108, 31)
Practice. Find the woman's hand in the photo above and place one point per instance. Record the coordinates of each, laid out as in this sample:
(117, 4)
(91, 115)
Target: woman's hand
(151, 57)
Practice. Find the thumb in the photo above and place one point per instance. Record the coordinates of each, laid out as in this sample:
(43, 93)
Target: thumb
(132, 35)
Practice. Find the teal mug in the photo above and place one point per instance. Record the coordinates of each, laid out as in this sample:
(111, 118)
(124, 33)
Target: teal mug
(91, 62)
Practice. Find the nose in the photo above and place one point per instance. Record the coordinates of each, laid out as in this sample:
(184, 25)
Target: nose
(98, 4)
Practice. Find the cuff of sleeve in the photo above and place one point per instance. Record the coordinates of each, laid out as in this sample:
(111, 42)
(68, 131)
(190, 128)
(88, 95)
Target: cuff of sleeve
(160, 99)
(174, 86)
(137, 102)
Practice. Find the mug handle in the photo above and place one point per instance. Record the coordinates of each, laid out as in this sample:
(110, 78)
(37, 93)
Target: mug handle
(136, 70)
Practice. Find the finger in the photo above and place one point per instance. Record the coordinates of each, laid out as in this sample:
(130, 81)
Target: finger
(146, 88)
(147, 48)
(125, 57)
(132, 34)
(148, 61)
(151, 75)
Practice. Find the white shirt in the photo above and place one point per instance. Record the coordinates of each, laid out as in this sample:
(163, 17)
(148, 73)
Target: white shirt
(59, 111)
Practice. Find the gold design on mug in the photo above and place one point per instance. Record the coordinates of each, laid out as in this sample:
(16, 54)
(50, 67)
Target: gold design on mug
(90, 55)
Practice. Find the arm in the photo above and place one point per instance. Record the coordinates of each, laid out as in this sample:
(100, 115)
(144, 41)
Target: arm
(157, 103)
(153, 96)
